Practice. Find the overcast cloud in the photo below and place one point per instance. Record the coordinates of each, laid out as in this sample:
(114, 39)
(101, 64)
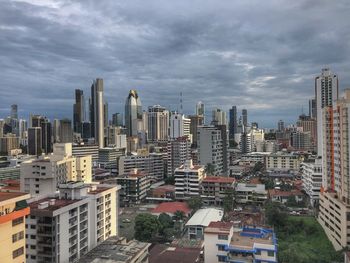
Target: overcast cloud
(259, 55)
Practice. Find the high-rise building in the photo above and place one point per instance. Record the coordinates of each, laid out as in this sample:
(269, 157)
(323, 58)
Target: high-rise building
(280, 126)
(196, 121)
(334, 208)
(105, 115)
(65, 131)
(133, 113)
(13, 210)
(46, 138)
(86, 130)
(326, 91)
(8, 143)
(312, 108)
(22, 127)
(210, 148)
(179, 126)
(219, 117)
(312, 178)
(245, 117)
(78, 110)
(233, 123)
(34, 141)
(200, 110)
(178, 151)
(97, 112)
(116, 137)
(69, 224)
(36, 120)
(56, 131)
(14, 111)
(2, 124)
(158, 123)
(301, 141)
(308, 124)
(117, 119)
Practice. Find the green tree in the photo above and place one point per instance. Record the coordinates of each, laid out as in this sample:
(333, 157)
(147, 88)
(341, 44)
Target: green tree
(210, 169)
(146, 227)
(179, 215)
(274, 214)
(170, 180)
(229, 200)
(195, 203)
(258, 167)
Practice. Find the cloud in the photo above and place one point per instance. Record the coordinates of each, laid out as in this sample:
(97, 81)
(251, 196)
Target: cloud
(261, 56)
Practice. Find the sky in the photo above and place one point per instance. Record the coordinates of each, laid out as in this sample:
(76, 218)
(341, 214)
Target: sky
(258, 55)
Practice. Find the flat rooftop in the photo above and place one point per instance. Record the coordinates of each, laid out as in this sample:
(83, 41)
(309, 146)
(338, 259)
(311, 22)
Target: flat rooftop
(218, 179)
(5, 196)
(247, 242)
(59, 203)
(204, 216)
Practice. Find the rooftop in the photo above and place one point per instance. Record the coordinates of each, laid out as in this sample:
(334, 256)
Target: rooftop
(114, 250)
(218, 179)
(250, 187)
(58, 204)
(276, 192)
(204, 216)
(171, 207)
(248, 237)
(162, 253)
(5, 196)
(219, 227)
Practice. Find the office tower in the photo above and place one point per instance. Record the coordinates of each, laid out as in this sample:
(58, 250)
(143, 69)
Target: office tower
(245, 142)
(22, 128)
(34, 141)
(86, 130)
(196, 121)
(56, 131)
(133, 113)
(188, 179)
(36, 120)
(13, 211)
(326, 91)
(219, 117)
(312, 108)
(301, 141)
(280, 126)
(210, 148)
(69, 224)
(178, 151)
(8, 143)
(46, 138)
(200, 110)
(116, 137)
(78, 110)
(334, 208)
(14, 111)
(65, 131)
(158, 123)
(244, 117)
(2, 124)
(179, 126)
(42, 175)
(81, 150)
(105, 115)
(97, 112)
(117, 119)
(308, 124)
(233, 123)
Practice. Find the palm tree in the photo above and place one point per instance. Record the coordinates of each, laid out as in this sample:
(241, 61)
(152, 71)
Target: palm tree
(179, 215)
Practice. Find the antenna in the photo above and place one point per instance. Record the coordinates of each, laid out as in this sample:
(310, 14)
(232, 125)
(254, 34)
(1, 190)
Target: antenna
(181, 107)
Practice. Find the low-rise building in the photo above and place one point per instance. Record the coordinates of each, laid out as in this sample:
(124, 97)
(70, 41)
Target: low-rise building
(188, 179)
(162, 193)
(171, 208)
(116, 250)
(283, 196)
(283, 161)
(250, 193)
(134, 186)
(215, 188)
(13, 210)
(64, 227)
(201, 219)
(223, 243)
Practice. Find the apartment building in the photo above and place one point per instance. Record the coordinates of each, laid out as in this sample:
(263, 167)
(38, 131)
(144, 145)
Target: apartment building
(178, 151)
(80, 150)
(250, 193)
(283, 161)
(43, 174)
(188, 178)
(150, 163)
(134, 186)
(13, 210)
(312, 179)
(215, 188)
(64, 227)
(223, 243)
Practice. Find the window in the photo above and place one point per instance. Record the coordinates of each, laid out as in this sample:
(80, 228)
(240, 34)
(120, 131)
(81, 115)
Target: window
(258, 252)
(32, 237)
(18, 236)
(18, 252)
(271, 253)
(32, 247)
(223, 237)
(221, 247)
(222, 258)
(17, 221)
(32, 257)
(32, 226)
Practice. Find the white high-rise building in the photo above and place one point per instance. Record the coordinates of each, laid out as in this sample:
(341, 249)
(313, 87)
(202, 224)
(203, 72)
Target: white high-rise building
(97, 112)
(43, 174)
(312, 178)
(133, 113)
(179, 126)
(63, 227)
(200, 110)
(326, 91)
(178, 151)
(219, 117)
(210, 148)
(158, 123)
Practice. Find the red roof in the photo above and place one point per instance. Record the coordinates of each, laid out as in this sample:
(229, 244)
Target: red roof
(218, 179)
(171, 207)
(276, 192)
(221, 225)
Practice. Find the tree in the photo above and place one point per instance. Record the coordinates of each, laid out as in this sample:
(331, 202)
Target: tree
(179, 215)
(170, 180)
(229, 200)
(195, 203)
(210, 169)
(146, 227)
(165, 221)
(258, 167)
(274, 214)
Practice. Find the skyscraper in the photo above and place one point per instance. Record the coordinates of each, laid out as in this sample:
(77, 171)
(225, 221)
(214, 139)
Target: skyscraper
(219, 117)
(56, 131)
(133, 113)
(78, 110)
(97, 112)
(200, 110)
(105, 115)
(326, 91)
(65, 131)
(245, 117)
(158, 123)
(196, 121)
(233, 123)
(46, 138)
(34, 141)
(179, 126)
(14, 111)
(117, 119)
(280, 126)
(312, 108)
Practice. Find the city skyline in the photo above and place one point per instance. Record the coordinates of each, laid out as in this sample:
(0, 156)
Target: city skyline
(227, 54)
